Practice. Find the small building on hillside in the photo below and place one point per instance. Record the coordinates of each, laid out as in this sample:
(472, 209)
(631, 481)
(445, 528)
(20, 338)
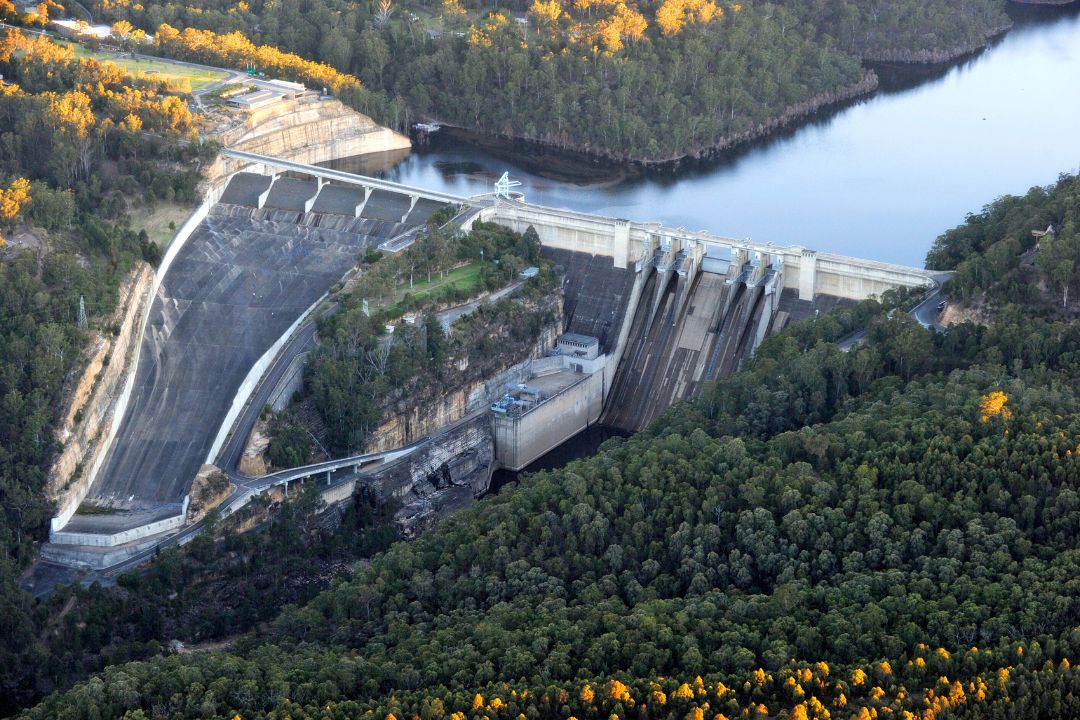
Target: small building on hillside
(77, 29)
(256, 99)
(585, 347)
(285, 88)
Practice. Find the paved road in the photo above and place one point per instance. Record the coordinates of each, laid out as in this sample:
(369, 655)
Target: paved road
(302, 341)
(927, 312)
(447, 318)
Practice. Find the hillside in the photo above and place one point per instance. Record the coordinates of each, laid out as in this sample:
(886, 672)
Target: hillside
(891, 530)
(84, 147)
(647, 81)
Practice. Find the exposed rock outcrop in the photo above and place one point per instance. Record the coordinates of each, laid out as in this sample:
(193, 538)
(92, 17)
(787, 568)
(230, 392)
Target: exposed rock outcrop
(446, 474)
(405, 426)
(305, 130)
(210, 489)
(91, 400)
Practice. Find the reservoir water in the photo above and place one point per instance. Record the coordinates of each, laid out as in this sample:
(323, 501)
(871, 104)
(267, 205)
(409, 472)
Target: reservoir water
(880, 178)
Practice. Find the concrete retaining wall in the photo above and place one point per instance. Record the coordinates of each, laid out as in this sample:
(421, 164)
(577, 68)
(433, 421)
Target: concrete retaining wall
(290, 383)
(252, 380)
(122, 537)
(521, 440)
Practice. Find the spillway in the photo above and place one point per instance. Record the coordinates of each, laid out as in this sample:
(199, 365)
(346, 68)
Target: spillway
(673, 349)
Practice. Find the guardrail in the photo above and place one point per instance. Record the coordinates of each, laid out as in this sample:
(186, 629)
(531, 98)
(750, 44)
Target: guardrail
(341, 176)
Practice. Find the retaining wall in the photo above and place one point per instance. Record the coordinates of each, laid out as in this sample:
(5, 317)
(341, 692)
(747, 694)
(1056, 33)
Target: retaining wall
(124, 536)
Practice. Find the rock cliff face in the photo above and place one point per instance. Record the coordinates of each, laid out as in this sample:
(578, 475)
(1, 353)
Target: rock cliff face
(306, 130)
(445, 475)
(93, 395)
(405, 427)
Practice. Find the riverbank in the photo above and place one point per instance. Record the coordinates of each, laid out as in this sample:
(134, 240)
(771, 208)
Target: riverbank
(584, 166)
(937, 56)
(878, 176)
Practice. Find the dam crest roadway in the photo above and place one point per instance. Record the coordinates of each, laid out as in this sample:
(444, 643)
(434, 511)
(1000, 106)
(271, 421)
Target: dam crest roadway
(231, 319)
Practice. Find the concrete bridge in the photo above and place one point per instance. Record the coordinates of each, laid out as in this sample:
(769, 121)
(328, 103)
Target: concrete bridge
(334, 191)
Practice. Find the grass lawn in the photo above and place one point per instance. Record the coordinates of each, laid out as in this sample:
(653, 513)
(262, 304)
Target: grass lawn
(466, 277)
(161, 68)
(156, 221)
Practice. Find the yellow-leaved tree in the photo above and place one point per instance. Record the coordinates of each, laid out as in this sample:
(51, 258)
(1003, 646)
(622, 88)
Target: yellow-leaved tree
(673, 15)
(13, 200)
(994, 404)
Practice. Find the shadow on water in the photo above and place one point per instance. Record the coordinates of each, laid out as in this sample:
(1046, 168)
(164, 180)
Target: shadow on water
(583, 445)
(595, 173)
(877, 177)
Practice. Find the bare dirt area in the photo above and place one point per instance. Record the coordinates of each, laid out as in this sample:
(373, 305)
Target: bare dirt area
(956, 314)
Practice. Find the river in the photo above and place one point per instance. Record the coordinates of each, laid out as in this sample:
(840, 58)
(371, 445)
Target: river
(879, 178)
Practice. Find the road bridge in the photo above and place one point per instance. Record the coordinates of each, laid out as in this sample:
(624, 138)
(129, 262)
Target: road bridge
(331, 189)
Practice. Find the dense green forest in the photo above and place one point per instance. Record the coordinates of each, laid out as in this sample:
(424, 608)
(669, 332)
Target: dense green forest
(886, 531)
(1018, 249)
(642, 81)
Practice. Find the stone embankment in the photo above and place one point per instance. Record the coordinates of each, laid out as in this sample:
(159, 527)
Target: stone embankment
(93, 396)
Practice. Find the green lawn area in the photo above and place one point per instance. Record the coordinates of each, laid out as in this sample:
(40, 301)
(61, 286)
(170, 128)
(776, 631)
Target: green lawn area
(162, 68)
(156, 221)
(466, 277)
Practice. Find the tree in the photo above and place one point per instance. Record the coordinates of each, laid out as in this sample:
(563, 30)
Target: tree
(1057, 258)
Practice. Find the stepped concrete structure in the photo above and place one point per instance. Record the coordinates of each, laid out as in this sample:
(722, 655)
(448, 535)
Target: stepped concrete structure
(668, 308)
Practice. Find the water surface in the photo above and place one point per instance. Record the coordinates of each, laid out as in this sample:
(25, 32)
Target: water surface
(880, 178)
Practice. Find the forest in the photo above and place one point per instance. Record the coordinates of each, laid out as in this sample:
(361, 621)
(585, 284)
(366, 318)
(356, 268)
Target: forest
(889, 531)
(1017, 249)
(649, 81)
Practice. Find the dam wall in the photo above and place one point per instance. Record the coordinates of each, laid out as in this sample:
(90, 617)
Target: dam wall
(106, 408)
(308, 129)
(628, 243)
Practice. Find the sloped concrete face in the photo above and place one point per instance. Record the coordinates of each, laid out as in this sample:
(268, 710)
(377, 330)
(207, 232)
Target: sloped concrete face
(291, 193)
(424, 209)
(234, 289)
(245, 189)
(339, 200)
(597, 294)
(385, 205)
